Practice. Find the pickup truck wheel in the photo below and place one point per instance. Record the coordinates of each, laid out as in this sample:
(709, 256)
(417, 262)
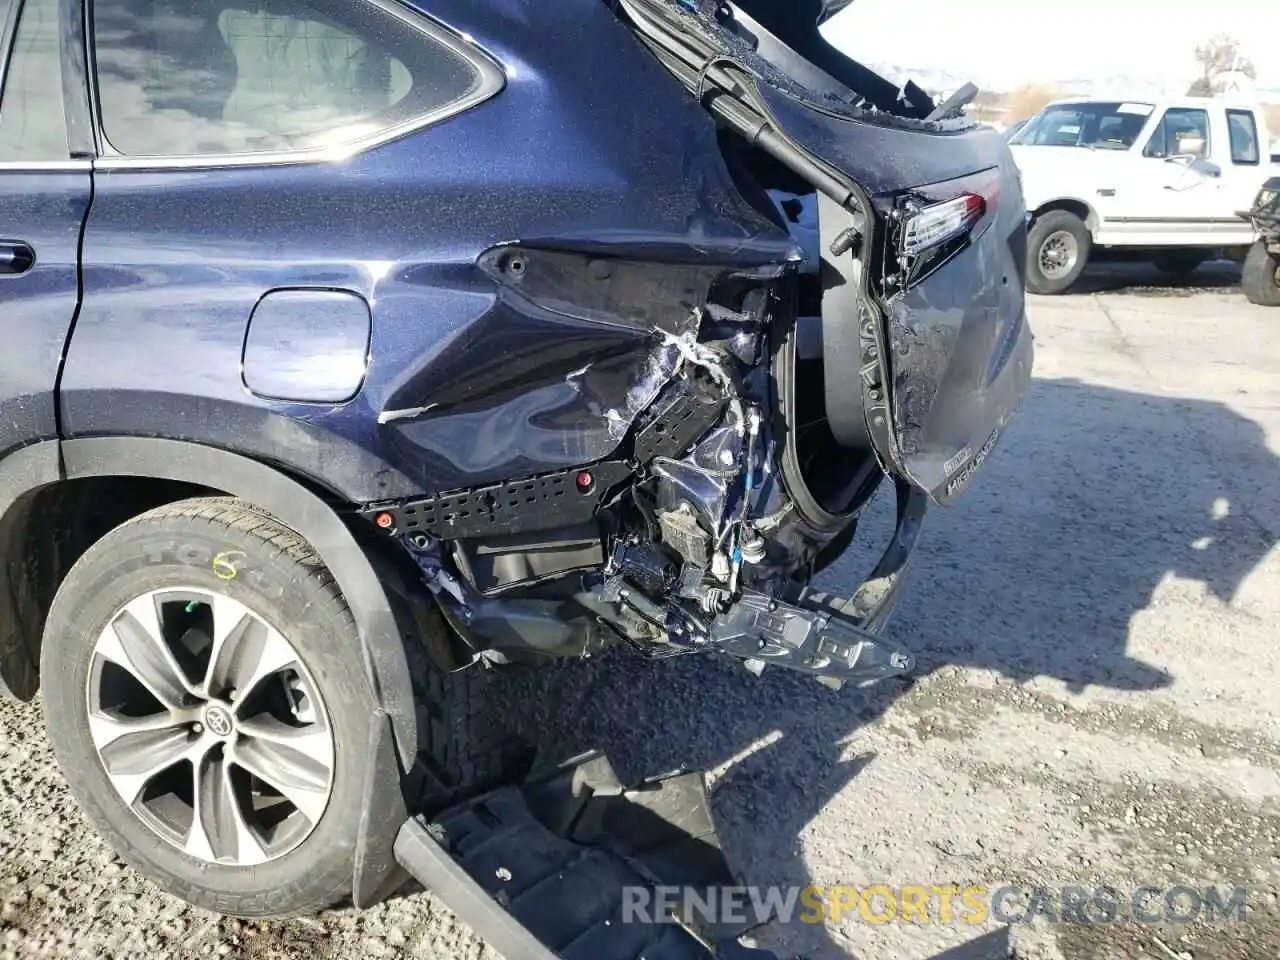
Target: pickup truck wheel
(1261, 278)
(1058, 249)
(204, 695)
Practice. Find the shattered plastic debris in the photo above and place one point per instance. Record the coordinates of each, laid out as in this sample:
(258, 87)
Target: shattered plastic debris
(722, 472)
(666, 363)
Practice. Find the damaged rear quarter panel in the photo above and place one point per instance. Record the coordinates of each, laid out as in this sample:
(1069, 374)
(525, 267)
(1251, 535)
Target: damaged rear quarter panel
(463, 383)
(608, 229)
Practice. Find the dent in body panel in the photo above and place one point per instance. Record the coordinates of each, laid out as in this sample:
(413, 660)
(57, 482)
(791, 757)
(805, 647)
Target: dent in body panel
(642, 267)
(576, 418)
(555, 373)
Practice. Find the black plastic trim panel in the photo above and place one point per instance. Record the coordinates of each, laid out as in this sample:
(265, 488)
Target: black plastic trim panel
(680, 416)
(543, 502)
(22, 474)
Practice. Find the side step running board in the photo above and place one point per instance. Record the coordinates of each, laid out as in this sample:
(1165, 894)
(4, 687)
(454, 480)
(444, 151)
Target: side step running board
(552, 870)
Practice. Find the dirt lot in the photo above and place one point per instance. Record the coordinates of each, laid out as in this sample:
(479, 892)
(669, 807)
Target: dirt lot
(1098, 700)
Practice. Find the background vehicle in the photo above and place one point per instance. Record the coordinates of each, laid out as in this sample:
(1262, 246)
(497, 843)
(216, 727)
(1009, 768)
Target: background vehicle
(1162, 179)
(1261, 279)
(357, 348)
(1015, 128)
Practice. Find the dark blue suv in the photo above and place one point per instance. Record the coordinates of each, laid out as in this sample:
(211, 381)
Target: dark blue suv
(354, 349)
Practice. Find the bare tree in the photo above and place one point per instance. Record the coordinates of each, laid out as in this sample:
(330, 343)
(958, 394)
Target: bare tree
(1218, 57)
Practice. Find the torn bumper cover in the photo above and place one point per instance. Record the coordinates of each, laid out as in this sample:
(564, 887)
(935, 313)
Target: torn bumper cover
(567, 866)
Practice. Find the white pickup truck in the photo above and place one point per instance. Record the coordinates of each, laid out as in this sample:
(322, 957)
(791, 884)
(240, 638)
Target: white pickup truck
(1166, 179)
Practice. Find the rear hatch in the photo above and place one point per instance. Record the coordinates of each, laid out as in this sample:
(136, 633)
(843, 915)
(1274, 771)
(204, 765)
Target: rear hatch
(927, 350)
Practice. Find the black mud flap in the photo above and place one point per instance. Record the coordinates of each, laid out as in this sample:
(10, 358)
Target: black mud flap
(568, 866)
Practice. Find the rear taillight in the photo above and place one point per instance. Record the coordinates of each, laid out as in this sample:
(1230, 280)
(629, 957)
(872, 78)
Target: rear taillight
(931, 224)
(925, 229)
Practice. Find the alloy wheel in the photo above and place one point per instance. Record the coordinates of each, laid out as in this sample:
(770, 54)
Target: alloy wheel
(209, 727)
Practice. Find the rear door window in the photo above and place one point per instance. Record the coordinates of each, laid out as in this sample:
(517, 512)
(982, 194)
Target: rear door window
(33, 125)
(1243, 128)
(182, 78)
(1182, 132)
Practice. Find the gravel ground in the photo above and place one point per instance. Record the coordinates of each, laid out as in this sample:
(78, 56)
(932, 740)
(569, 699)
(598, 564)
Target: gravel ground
(1097, 700)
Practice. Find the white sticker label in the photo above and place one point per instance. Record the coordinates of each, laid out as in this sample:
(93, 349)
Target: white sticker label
(1136, 109)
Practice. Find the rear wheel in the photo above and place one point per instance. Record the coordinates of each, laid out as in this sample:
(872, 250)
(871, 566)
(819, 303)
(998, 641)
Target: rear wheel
(1261, 278)
(1058, 248)
(204, 694)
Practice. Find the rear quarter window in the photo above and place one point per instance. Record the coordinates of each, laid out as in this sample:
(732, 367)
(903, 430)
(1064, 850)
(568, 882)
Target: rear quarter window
(1243, 128)
(185, 78)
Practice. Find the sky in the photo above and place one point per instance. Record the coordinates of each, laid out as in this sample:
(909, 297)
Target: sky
(1003, 43)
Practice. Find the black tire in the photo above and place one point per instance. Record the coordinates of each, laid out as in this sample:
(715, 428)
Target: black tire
(1044, 228)
(1179, 264)
(465, 743)
(280, 579)
(1261, 277)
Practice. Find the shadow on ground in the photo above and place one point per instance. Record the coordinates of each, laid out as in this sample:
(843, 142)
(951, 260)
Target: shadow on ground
(1096, 496)
(1115, 275)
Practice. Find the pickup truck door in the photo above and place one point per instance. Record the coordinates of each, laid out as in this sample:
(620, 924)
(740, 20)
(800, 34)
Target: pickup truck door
(44, 196)
(1173, 193)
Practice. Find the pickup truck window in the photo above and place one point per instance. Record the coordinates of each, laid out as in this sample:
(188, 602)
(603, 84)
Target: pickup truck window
(1183, 132)
(1104, 126)
(1243, 127)
(33, 126)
